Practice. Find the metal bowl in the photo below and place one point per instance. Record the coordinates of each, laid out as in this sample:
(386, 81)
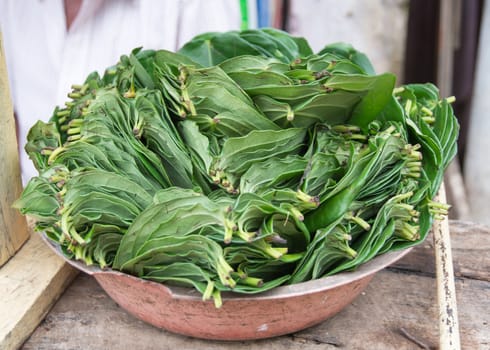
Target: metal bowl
(282, 310)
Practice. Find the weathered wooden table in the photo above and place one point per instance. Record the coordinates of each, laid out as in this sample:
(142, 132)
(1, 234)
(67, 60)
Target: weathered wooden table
(398, 310)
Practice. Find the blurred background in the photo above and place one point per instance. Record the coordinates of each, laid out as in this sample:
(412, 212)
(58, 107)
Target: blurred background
(445, 42)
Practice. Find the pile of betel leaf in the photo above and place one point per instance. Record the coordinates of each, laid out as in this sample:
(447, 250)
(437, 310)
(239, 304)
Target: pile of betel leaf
(242, 162)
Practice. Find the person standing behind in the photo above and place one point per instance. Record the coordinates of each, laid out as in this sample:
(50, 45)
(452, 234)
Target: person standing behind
(52, 44)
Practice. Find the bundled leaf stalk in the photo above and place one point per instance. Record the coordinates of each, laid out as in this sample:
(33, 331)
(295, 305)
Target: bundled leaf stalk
(243, 162)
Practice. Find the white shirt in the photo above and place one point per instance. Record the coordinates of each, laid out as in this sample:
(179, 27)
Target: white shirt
(44, 59)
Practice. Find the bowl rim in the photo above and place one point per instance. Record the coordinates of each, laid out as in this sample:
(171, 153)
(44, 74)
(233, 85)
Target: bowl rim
(322, 284)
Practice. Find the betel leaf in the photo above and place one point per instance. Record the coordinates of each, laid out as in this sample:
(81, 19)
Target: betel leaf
(38, 199)
(213, 48)
(239, 153)
(349, 52)
(175, 212)
(376, 90)
(43, 139)
(242, 162)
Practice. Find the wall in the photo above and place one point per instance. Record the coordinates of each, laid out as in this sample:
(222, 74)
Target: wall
(477, 161)
(375, 27)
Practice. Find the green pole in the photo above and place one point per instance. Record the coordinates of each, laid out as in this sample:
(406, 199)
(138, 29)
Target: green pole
(244, 14)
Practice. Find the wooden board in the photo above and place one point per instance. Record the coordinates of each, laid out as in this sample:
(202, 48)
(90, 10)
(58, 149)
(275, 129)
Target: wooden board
(470, 245)
(30, 283)
(395, 305)
(13, 227)
(398, 310)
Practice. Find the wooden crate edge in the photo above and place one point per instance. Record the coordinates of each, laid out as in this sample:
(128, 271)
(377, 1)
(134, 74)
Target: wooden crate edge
(33, 280)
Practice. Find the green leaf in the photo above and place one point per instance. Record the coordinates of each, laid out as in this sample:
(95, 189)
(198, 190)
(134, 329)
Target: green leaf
(347, 51)
(376, 90)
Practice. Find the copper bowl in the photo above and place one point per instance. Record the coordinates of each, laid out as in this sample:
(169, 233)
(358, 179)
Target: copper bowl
(282, 310)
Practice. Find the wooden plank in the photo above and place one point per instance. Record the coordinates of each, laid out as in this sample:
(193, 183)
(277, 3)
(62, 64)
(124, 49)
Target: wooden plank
(470, 243)
(13, 227)
(30, 283)
(449, 338)
(394, 306)
(398, 310)
(397, 306)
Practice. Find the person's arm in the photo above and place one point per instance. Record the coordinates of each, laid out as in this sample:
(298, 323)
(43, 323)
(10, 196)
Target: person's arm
(72, 7)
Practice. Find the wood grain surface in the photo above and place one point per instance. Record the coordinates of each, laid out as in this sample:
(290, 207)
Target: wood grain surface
(13, 227)
(30, 283)
(398, 310)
